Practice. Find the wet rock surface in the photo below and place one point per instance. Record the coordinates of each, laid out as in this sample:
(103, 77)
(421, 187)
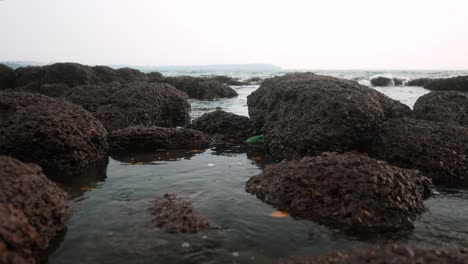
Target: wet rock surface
(175, 215)
(32, 211)
(7, 77)
(224, 126)
(389, 254)
(71, 74)
(137, 103)
(350, 191)
(305, 114)
(59, 136)
(459, 83)
(141, 139)
(381, 81)
(449, 107)
(439, 150)
(419, 82)
(201, 88)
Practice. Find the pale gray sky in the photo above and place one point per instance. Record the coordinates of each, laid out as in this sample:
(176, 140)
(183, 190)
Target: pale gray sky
(313, 34)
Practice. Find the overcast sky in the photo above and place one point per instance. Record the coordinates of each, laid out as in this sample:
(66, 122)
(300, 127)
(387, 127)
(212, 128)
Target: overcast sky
(309, 34)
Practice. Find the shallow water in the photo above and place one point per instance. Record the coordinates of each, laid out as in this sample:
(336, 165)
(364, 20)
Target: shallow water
(111, 222)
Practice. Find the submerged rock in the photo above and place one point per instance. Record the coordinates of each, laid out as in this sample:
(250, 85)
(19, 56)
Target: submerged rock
(391, 254)
(305, 114)
(137, 103)
(71, 74)
(459, 83)
(201, 88)
(7, 77)
(142, 139)
(381, 81)
(437, 149)
(32, 211)
(59, 136)
(224, 126)
(349, 191)
(448, 107)
(175, 215)
(419, 82)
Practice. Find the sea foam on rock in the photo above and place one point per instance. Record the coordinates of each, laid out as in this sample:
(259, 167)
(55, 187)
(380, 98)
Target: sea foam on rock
(449, 107)
(201, 88)
(141, 139)
(32, 211)
(57, 135)
(138, 103)
(349, 191)
(437, 149)
(305, 114)
(224, 126)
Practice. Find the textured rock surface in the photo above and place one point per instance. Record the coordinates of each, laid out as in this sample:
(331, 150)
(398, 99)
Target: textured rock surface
(224, 126)
(419, 82)
(175, 215)
(57, 135)
(71, 74)
(392, 254)
(7, 77)
(350, 191)
(381, 81)
(134, 139)
(439, 150)
(137, 103)
(49, 89)
(459, 83)
(305, 114)
(449, 107)
(32, 211)
(201, 88)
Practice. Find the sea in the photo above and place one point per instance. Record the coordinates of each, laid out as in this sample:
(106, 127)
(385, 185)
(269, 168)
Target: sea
(111, 220)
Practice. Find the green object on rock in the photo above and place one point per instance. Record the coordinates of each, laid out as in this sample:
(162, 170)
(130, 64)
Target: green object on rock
(256, 140)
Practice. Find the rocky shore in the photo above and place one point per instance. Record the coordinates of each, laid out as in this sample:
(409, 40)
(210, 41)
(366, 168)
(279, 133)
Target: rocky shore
(344, 155)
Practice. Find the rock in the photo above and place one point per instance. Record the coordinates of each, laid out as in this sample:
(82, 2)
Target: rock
(71, 74)
(381, 81)
(227, 80)
(107, 74)
(175, 215)
(419, 82)
(137, 103)
(7, 77)
(141, 139)
(201, 88)
(449, 107)
(49, 89)
(305, 114)
(224, 126)
(398, 81)
(391, 254)
(437, 149)
(154, 77)
(59, 136)
(32, 208)
(253, 81)
(459, 83)
(130, 75)
(349, 191)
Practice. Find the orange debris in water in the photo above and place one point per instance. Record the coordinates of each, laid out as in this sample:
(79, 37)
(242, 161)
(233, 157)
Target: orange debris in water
(279, 214)
(87, 189)
(196, 151)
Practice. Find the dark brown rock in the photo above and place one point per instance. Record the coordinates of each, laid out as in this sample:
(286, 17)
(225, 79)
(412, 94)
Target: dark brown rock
(381, 81)
(130, 75)
(49, 89)
(7, 77)
(305, 114)
(392, 254)
(227, 80)
(225, 127)
(439, 150)
(175, 215)
(419, 82)
(71, 74)
(201, 88)
(448, 107)
(137, 103)
(154, 77)
(349, 191)
(59, 136)
(142, 139)
(459, 83)
(32, 211)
